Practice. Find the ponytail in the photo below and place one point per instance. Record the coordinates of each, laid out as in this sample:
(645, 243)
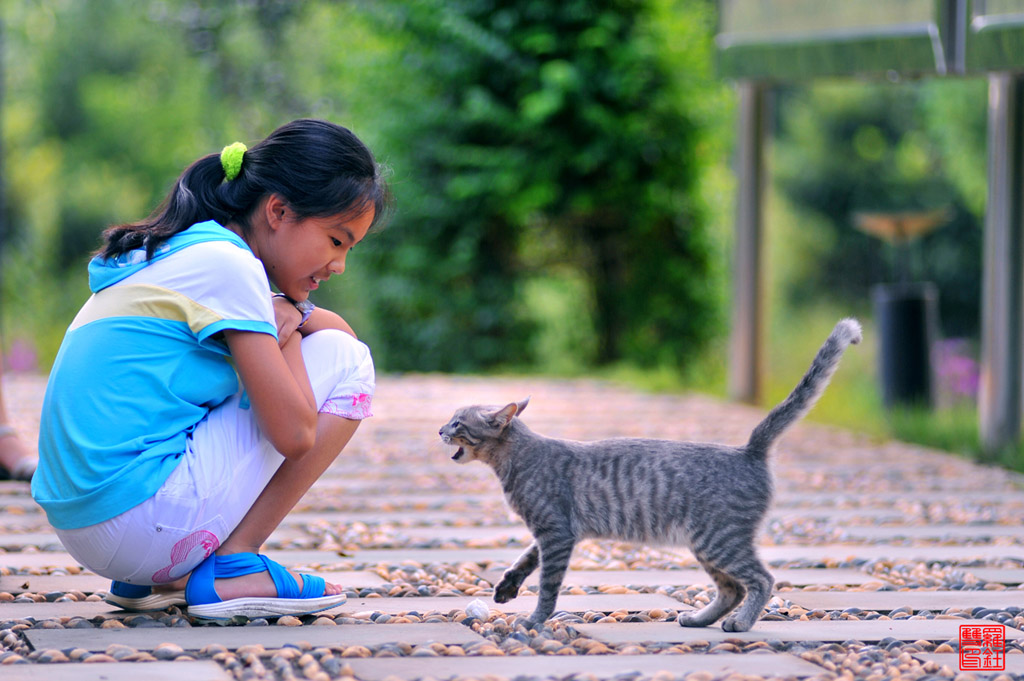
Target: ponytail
(317, 167)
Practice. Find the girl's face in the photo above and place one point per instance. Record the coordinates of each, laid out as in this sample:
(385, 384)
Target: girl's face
(299, 253)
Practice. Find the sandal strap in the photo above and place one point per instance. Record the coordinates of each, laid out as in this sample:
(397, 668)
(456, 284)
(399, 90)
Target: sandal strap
(313, 586)
(200, 589)
(283, 581)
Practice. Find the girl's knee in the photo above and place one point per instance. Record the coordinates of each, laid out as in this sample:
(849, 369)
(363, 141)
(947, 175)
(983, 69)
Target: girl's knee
(340, 368)
(335, 347)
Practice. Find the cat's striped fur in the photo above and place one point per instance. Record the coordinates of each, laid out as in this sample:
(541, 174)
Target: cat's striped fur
(711, 498)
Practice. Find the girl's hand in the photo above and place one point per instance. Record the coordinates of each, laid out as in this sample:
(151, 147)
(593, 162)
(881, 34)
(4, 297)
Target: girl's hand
(287, 318)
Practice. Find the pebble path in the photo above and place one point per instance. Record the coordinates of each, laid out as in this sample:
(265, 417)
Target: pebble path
(881, 552)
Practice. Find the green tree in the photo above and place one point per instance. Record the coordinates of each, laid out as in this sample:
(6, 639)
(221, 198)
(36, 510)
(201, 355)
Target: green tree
(540, 132)
(106, 103)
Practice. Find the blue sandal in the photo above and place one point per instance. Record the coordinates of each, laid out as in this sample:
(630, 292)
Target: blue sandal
(136, 598)
(204, 602)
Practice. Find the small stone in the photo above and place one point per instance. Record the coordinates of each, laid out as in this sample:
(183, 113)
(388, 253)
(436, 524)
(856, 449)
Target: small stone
(168, 651)
(118, 651)
(597, 649)
(211, 649)
(288, 653)
(289, 621)
(700, 676)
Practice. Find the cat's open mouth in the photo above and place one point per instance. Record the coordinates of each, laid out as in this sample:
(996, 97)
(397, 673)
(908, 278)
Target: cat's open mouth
(458, 454)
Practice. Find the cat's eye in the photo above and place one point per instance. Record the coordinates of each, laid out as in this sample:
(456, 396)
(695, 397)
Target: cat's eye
(455, 424)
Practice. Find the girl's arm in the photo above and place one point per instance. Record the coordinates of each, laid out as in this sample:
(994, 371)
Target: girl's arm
(321, 319)
(278, 387)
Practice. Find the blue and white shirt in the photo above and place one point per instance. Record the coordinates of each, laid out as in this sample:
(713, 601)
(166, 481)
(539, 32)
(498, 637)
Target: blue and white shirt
(141, 364)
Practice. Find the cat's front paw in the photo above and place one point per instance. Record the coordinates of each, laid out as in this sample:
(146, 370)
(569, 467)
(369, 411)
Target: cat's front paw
(734, 623)
(507, 589)
(692, 619)
(531, 623)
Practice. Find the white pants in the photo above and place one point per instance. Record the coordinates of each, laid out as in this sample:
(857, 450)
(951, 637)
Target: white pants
(226, 465)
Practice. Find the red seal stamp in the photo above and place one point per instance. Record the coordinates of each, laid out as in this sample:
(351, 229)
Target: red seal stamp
(982, 647)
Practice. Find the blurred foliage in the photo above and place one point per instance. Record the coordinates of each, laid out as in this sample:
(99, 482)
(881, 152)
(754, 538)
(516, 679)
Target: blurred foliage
(844, 148)
(548, 159)
(104, 105)
(556, 150)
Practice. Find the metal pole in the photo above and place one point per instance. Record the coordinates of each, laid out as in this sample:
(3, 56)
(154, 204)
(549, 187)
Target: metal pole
(999, 398)
(745, 364)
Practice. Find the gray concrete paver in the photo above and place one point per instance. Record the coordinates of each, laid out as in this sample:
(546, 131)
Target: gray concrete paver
(812, 630)
(199, 670)
(998, 575)
(686, 576)
(943, 531)
(86, 609)
(917, 600)
(600, 666)
(523, 603)
(195, 638)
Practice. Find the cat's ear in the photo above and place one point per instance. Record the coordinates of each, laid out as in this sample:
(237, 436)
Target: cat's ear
(505, 415)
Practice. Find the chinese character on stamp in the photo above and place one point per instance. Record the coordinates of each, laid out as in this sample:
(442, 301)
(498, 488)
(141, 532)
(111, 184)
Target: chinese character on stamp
(982, 647)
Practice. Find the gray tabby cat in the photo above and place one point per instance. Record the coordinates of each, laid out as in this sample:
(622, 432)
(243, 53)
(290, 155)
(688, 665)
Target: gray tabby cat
(709, 497)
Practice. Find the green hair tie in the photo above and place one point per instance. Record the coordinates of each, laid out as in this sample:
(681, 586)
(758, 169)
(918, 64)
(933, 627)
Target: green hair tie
(231, 159)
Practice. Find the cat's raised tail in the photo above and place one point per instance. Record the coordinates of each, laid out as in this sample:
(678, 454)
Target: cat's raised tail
(807, 391)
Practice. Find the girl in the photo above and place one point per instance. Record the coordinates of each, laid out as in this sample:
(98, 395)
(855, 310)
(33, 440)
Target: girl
(155, 469)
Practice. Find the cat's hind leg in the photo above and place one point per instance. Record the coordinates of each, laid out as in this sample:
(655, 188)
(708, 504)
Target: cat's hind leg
(508, 587)
(729, 594)
(758, 583)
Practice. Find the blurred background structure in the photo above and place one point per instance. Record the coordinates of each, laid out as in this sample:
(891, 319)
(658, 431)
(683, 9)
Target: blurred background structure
(768, 41)
(566, 176)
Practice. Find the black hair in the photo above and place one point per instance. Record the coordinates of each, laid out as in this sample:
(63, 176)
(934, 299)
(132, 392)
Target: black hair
(318, 168)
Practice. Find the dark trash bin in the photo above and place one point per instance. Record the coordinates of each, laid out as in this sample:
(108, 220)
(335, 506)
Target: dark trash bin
(907, 319)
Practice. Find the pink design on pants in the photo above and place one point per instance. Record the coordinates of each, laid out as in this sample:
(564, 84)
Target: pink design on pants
(200, 539)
